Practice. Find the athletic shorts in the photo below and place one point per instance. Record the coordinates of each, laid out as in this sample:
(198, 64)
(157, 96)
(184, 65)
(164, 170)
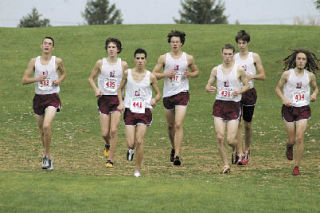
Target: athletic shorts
(134, 119)
(227, 110)
(108, 104)
(41, 102)
(180, 99)
(248, 101)
(292, 114)
(249, 98)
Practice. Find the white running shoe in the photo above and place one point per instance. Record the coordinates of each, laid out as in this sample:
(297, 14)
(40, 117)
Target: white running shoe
(130, 154)
(137, 174)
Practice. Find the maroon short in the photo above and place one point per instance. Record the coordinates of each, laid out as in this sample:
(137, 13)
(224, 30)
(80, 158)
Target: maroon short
(227, 110)
(291, 114)
(249, 98)
(134, 119)
(180, 99)
(108, 104)
(41, 102)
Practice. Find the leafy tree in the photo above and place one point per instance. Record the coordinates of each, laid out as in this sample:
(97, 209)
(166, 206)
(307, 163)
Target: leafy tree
(101, 12)
(202, 12)
(317, 3)
(33, 20)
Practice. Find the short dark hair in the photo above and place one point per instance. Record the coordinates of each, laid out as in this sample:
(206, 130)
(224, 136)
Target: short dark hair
(243, 35)
(176, 33)
(229, 47)
(140, 51)
(48, 37)
(116, 41)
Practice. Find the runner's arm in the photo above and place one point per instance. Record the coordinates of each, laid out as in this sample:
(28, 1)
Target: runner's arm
(62, 72)
(26, 79)
(281, 83)
(155, 87)
(209, 87)
(94, 73)
(258, 63)
(314, 87)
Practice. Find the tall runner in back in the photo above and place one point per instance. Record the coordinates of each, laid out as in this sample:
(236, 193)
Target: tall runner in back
(294, 91)
(251, 63)
(46, 101)
(175, 65)
(109, 71)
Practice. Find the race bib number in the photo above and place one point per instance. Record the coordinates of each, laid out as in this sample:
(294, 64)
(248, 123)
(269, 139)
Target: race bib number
(176, 79)
(110, 84)
(299, 97)
(137, 105)
(226, 94)
(45, 84)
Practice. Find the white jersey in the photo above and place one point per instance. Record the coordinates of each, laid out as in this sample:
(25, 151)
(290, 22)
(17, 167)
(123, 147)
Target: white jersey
(110, 77)
(46, 86)
(178, 83)
(248, 65)
(297, 89)
(138, 95)
(226, 84)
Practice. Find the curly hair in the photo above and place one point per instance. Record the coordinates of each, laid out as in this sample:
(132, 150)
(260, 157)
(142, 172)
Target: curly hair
(242, 35)
(312, 61)
(176, 33)
(116, 41)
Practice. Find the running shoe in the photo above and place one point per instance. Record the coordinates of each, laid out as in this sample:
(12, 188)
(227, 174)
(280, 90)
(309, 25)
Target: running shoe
(247, 155)
(241, 160)
(45, 163)
(289, 152)
(130, 154)
(234, 158)
(226, 170)
(106, 151)
(296, 171)
(50, 162)
(137, 174)
(109, 164)
(177, 161)
(172, 155)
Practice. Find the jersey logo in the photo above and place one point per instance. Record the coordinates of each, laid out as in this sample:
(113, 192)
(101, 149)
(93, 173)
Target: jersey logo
(226, 83)
(299, 85)
(45, 72)
(176, 67)
(112, 73)
(137, 92)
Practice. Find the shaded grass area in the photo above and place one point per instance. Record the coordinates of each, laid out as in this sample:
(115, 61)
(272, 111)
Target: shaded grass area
(58, 192)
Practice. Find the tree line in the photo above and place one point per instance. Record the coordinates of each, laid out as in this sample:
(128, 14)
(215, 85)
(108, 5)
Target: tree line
(102, 12)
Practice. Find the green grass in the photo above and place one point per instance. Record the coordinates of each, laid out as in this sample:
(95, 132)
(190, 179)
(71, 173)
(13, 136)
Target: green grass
(80, 181)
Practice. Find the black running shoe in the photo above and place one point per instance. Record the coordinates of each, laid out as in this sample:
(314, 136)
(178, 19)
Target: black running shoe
(234, 158)
(172, 155)
(177, 161)
(130, 154)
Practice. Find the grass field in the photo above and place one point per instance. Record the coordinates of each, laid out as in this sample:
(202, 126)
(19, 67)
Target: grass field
(81, 183)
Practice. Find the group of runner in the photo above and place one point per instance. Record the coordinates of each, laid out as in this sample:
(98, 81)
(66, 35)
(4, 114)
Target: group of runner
(232, 82)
